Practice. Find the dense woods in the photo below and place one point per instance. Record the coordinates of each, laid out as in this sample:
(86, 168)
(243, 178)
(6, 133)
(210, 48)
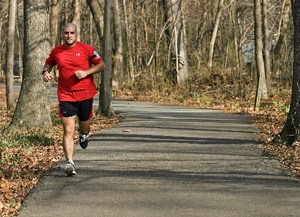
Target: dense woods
(159, 45)
(228, 48)
(221, 50)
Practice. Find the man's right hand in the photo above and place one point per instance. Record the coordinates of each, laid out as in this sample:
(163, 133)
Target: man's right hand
(47, 76)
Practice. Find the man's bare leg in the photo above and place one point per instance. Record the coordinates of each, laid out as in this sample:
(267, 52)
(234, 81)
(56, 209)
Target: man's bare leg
(84, 127)
(68, 142)
(83, 134)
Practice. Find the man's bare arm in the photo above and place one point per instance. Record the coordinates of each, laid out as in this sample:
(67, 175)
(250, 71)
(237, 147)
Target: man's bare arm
(93, 70)
(47, 76)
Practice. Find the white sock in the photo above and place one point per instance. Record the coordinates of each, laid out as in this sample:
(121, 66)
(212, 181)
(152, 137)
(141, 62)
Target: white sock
(84, 136)
(71, 161)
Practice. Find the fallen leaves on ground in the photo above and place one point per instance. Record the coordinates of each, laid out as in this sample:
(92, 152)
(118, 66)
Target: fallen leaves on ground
(22, 166)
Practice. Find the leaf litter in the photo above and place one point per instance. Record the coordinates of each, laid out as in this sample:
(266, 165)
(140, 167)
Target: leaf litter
(22, 165)
(25, 156)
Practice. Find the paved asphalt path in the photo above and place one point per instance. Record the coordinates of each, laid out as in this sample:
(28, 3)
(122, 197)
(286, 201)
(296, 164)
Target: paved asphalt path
(175, 161)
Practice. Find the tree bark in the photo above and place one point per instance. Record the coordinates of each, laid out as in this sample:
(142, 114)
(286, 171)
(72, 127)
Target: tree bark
(283, 27)
(291, 129)
(54, 28)
(266, 50)
(260, 66)
(214, 35)
(9, 75)
(128, 51)
(19, 28)
(237, 48)
(95, 9)
(1, 71)
(175, 35)
(106, 78)
(118, 55)
(53, 23)
(76, 17)
(33, 107)
(278, 67)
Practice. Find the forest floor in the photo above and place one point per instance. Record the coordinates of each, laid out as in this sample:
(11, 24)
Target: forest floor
(25, 156)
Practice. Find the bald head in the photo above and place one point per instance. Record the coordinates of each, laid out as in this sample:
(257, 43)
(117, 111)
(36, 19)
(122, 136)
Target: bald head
(69, 25)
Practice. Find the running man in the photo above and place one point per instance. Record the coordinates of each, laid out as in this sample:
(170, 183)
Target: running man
(76, 62)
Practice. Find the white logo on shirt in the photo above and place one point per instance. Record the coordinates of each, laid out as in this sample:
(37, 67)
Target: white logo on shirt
(78, 54)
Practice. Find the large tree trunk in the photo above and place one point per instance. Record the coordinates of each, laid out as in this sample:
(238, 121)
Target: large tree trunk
(33, 107)
(10, 99)
(106, 78)
(291, 129)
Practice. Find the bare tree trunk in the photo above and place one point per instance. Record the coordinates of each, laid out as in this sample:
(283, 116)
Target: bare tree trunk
(53, 28)
(9, 75)
(19, 27)
(237, 38)
(94, 7)
(106, 78)
(291, 129)
(76, 18)
(54, 23)
(266, 46)
(214, 35)
(175, 34)
(33, 107)
(283, 27)
(128, 59)
(20, 53)
(278, 68)
(118, 55)
(259, 54)
(1, 39)
(182, 63)
(66, 13)
(1, 71)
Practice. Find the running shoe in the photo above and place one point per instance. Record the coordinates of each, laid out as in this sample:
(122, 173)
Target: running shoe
(70, 169)
(83, 141)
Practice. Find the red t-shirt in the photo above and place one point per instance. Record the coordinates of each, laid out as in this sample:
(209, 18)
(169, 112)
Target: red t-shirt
(68, 60)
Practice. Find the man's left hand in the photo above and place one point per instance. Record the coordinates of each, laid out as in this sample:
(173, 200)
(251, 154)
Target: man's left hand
(81, 74)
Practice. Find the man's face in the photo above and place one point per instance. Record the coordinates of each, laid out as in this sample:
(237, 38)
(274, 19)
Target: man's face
(69, 35)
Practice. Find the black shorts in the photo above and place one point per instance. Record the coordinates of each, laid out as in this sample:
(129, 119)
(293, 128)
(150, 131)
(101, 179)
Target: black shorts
(83, 109)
